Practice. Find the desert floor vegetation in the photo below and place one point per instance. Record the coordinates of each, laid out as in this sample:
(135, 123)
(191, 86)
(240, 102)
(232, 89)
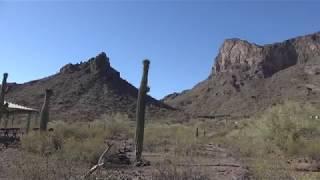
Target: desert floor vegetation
(72, 148)
(270, 142)
(268, 145)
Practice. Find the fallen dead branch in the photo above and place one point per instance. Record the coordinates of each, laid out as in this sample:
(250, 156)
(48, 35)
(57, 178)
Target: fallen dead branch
(218, 164)
(100, 162)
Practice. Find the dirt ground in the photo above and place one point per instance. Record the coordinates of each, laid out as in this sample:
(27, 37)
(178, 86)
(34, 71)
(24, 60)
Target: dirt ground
(211, 162)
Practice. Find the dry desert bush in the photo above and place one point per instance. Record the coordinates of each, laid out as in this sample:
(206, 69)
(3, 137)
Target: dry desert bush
(268, 140)
(71, 149)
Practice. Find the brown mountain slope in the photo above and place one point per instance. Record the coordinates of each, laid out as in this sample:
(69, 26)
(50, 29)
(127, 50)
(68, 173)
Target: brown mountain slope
(83, 91)
(248, 78)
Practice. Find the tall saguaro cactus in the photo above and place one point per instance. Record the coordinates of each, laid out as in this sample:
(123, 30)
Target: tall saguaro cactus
(141, 106)
(44, 114)
(5, 106)
(28, 123)
(4, 90)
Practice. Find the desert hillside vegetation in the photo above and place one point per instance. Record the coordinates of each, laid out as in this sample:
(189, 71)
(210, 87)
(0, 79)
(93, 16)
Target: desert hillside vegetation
(271, 145)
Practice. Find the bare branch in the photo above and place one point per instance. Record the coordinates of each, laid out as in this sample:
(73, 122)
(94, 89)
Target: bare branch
(100, 162)
(218, 164)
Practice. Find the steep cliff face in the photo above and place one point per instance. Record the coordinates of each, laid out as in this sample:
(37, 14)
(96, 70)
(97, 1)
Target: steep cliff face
(84, 91)
(256, 61)
(247, 78)
(236, 54)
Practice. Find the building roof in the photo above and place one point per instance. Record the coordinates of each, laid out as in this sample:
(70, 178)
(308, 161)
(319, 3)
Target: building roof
(19, 108)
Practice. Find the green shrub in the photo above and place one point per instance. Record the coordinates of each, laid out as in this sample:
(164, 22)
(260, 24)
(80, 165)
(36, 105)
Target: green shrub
(286, 129)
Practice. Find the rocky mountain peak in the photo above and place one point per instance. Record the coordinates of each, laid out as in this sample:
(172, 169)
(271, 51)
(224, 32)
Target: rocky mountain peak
(96, 65)
(85, 91)
(100, 63)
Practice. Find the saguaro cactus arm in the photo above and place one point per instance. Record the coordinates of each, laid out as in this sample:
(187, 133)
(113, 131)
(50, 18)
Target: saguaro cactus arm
(4, 90)
(140, 114)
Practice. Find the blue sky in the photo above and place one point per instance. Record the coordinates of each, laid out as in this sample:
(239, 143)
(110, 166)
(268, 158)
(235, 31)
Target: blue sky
(181, 38)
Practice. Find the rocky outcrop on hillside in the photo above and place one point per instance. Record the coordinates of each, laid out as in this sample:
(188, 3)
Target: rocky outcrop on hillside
(237, 55)
(247, 78)
(84, 91)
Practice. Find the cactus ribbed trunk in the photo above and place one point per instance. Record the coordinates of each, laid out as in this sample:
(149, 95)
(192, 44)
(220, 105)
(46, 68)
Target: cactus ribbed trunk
(140, 113)
(6, 121)
(36, 120)
(44, 114)
(28, 123)
(12, 119)
(2, 94)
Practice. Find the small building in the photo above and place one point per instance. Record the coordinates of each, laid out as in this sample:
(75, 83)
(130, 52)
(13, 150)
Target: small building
(15, 108)
(13, 111)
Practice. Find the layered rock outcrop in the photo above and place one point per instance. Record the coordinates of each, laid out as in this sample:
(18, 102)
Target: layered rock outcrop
(247, 78)
(100, 63)
(257, 61)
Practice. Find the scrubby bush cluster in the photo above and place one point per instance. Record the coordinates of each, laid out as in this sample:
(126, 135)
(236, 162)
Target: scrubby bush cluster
(83, 143)
(77, 141)
(279, 134)
(177, 138)
(284, 130)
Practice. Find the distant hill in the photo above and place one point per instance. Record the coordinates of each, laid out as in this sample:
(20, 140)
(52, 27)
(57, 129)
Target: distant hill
(84, 91)
(248, 78)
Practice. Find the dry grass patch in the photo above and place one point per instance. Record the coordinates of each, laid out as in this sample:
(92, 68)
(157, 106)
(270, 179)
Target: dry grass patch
(177, 138)
(282, 132)
(78, 141)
